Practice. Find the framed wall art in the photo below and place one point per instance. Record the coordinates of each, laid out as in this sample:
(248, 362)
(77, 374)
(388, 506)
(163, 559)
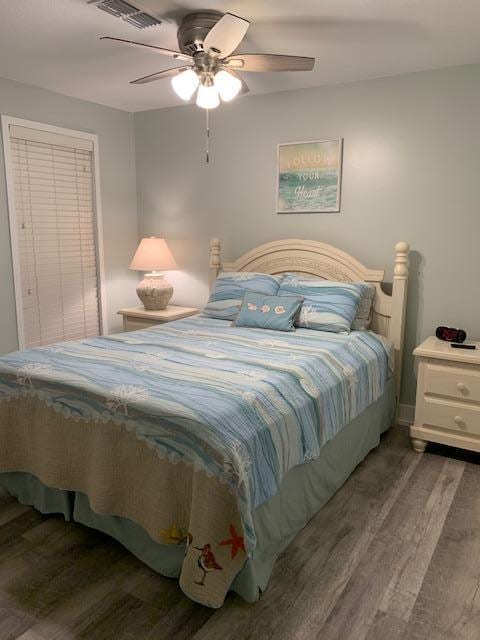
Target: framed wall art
(309, 176)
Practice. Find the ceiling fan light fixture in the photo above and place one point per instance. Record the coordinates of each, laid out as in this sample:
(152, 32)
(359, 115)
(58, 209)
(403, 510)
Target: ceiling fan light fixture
(227, 85)
(207, 97)
(185, 84)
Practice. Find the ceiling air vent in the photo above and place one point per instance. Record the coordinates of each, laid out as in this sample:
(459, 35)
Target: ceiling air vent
(141, 20)
(127, 12)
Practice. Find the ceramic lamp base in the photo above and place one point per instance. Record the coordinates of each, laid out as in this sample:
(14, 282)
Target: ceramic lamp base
(155, 292)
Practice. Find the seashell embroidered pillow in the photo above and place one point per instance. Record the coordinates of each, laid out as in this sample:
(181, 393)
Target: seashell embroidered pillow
(268, 312)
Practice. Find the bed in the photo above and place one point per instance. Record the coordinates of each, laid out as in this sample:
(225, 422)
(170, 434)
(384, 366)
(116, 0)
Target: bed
(204, 448)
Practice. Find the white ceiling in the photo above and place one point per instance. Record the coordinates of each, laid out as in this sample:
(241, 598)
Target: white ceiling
(54, 43)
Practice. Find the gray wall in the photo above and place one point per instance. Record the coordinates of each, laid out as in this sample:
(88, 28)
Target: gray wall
(117, 176)
(411, 172)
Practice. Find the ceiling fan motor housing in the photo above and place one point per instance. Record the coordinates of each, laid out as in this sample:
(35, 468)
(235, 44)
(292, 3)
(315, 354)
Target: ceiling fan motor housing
(193, 30)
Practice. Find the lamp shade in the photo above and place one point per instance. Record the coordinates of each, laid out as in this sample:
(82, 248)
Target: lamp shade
(153, 254)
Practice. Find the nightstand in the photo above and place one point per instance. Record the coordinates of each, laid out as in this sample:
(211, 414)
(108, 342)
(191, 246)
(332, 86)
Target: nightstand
(447, 408)
(139, 318)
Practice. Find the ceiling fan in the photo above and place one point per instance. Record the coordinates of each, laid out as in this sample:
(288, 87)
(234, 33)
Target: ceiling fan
(207, 41)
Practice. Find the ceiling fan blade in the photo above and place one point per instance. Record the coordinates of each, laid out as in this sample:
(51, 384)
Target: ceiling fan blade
(268, 62)
(153, 77)
(225, 36)
(166, 52)
(244, 88)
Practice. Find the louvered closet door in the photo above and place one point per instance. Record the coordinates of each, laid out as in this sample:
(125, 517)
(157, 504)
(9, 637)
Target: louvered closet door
(56, 230)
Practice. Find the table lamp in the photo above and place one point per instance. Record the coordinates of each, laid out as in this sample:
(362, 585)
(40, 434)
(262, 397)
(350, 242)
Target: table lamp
(153, 255)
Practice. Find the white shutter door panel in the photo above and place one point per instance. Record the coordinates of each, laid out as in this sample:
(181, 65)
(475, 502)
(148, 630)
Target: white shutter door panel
(55, 213)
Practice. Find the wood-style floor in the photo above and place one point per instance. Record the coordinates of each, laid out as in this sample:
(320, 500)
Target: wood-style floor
(394, 555)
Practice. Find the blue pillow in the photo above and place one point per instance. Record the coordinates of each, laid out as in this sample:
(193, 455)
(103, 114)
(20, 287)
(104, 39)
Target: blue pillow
(268, 312)
(327, 306)
(227, 295)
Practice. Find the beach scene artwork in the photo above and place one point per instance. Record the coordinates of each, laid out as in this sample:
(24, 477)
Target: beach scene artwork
(309, 176)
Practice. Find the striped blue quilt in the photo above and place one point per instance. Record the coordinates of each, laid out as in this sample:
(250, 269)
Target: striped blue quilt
(245, 405)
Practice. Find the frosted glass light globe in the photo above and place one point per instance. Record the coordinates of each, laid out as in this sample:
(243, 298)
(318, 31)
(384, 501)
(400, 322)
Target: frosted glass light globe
(228, 86)
(185, 84)
(207, 97)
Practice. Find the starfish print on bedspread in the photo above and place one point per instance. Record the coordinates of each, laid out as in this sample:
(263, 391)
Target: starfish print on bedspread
(173, 535)
(236, 542)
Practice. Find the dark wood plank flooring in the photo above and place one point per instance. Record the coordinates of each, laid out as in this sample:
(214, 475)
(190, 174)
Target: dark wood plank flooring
(395, 555)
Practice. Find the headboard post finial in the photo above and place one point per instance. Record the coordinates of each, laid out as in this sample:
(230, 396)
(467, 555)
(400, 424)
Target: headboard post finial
(401, 260)
(399, 304)
(215, 260)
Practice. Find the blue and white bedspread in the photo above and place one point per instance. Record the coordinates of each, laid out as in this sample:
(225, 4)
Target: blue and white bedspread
(244, 405)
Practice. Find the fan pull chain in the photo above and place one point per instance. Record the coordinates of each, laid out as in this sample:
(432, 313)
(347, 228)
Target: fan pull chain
(208, 137)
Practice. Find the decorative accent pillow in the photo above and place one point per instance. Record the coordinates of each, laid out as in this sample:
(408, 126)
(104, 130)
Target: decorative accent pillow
(268, 312)
(227, 295)
(363, 317)
(328, 306)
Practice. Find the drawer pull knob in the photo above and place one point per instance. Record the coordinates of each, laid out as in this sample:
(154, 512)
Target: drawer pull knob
(458, 420)
(462, 387)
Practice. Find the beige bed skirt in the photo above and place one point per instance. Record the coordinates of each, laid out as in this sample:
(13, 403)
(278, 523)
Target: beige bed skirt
(121, 475)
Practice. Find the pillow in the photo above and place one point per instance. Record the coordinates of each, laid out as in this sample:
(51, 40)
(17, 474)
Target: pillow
(268, 312)
(227, 295)
(363, 317)
(328, 306)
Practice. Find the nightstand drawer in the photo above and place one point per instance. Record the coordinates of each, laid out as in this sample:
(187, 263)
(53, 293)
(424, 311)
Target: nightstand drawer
(134, 324)
(135, 318)
(456, 416)
(456, 382)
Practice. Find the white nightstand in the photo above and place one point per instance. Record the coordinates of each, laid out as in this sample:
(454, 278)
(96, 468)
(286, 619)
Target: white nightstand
(447, 409)
(139, 318)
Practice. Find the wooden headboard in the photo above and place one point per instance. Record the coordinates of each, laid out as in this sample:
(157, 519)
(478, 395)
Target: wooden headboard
(328, 262)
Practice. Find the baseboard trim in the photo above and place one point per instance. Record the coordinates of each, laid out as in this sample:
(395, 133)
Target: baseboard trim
(405, 414)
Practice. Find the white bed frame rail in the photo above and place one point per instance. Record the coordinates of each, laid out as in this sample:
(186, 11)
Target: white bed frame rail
(328, 262)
